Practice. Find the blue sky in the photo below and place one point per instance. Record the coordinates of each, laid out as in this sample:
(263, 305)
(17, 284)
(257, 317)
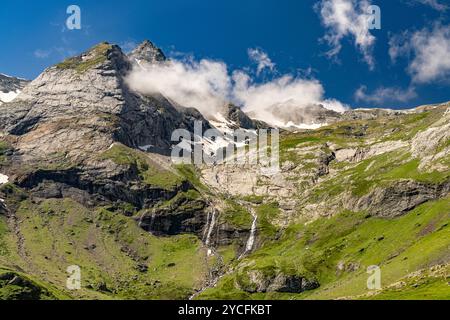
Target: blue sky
(291, 32)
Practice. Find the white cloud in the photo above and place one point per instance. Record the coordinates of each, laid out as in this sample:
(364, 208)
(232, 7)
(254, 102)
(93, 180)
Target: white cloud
(262, 59)
(429, 52)
(260, 99)
(385, 94)
(208, 85)
(203, 85)
(347, 18)
(435, 4)
(399, 46)
(42, 54)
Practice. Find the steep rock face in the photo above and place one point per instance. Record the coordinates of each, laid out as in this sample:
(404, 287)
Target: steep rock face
(255, 281)
(181, 215)
(91, 85)
(78, 131)
(399, 198)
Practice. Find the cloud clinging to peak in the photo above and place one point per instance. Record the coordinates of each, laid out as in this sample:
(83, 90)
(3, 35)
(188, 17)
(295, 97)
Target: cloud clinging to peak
(208, 85)
(203, 84)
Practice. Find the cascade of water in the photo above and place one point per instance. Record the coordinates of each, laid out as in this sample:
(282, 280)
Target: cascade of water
(211, 227)
(251, 239)
(205, 232)
(152, 221)
(141, 220)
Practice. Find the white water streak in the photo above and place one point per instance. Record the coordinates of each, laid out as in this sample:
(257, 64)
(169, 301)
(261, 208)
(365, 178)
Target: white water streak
(251, 239)
(211, 228)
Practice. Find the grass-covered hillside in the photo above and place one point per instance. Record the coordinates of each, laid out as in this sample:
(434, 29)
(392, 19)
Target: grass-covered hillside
(354, 194)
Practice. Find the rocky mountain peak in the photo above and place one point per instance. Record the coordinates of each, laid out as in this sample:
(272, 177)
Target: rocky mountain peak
(147, 52)
(8, 83)
(102, 56)
(313, 114)
(90, 88)
(10, 87)
(240, 119)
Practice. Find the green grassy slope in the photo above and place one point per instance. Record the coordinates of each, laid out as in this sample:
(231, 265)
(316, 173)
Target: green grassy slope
(119, 260)
(338, 251)
(116, 257)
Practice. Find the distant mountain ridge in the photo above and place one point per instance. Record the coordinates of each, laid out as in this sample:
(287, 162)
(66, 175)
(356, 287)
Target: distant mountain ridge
(10, 87)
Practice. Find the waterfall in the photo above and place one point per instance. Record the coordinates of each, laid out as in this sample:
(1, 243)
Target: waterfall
(141, 219)
(251, 239)
(152, 220)
(212, 224)
(205, 232)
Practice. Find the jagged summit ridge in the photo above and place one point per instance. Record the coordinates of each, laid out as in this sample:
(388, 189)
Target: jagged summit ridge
(147, 52)
(91, 84)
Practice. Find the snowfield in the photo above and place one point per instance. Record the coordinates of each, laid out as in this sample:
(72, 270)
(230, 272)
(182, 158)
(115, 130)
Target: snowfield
(8, 96)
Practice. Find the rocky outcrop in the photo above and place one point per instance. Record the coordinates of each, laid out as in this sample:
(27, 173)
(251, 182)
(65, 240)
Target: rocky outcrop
(363, 153)
(369, 114)
(241, 120)
(398, 198)
(181, 215)
(425, 144)
(14, 286)
(255, 281)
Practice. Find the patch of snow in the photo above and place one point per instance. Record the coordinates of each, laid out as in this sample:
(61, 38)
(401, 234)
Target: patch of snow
(9, 96)
(3, 179)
